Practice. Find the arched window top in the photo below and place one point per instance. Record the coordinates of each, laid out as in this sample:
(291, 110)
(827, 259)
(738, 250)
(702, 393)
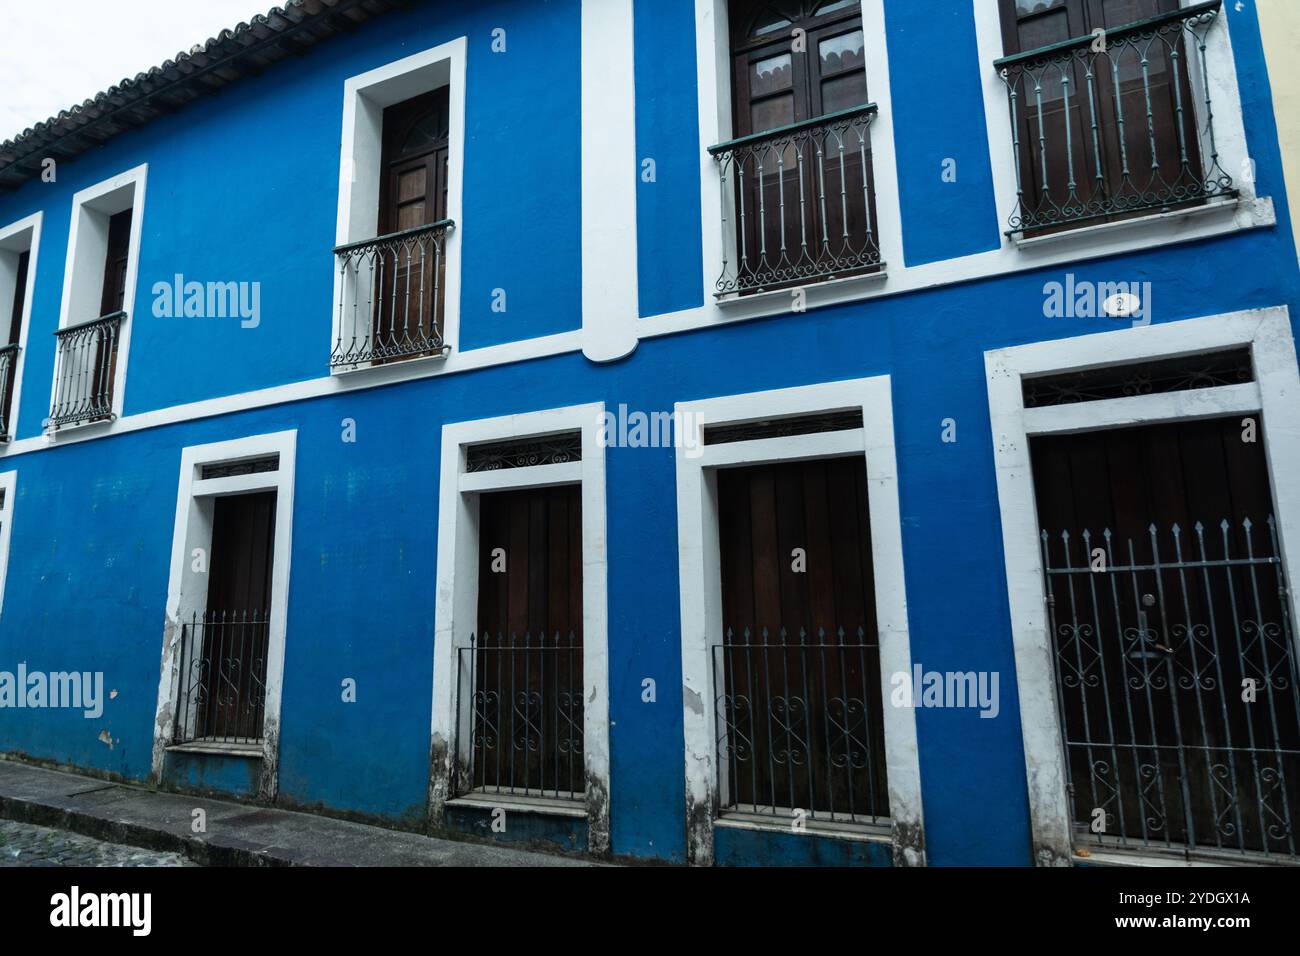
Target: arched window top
(768, 19)
(428, 131)
(764, 19)
(1024, 7)
(835, 6)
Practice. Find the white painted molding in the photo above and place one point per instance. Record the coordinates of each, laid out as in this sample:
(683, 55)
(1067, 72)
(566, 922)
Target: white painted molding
(1140, 235)
(564, 343)
(187, 589)
(15, 238)
(456, 605)
(714, 111)
(83, 271)
(713, 79)
(1275, 393)
(8, 489)
(701, 586)
(610, 169)
(365, 97)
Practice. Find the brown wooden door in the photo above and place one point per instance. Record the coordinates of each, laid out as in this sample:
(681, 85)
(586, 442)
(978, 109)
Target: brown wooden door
(9, 363)
(1163, 591)
(235, 625)
(413, 193)
(773, 86)
(528, 650)
(798, 664)
(20, 298)
(113, 298)
(1099, 170)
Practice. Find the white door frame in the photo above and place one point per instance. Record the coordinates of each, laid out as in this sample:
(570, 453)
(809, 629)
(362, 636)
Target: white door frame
(456, 612)
(1275, 395)
(701, 583)
(187, 588)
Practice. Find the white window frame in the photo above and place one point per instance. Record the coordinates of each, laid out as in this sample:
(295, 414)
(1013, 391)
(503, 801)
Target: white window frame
(456, 611)
(1273, 395)
(83, 274)
(365, 98)
(16, 238)
(1157, 227)
(8, 488)
(714, 70)
(187, 589)
(701, 589)
(1073, 246)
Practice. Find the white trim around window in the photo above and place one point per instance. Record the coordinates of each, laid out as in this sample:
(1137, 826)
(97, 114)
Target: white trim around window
(365, 97)
(187, 588)
(456, 610)
(713, 75)
(1157, 228)
(609, 193)
(1273, 395)
(1139, 235)
(701, 587)
(83, 274)
(8, 488)
(15, 239)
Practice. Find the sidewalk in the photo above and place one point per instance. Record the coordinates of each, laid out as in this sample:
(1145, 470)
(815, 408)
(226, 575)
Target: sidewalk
(237, 834)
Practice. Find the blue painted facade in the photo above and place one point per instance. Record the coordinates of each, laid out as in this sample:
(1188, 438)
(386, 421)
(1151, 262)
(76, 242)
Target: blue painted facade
(243, 186)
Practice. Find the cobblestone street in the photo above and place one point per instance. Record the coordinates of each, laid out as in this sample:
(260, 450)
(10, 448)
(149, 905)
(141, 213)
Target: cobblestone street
(22, 844)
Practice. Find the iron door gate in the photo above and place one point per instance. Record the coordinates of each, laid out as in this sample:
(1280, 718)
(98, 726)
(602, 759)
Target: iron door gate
(1177, 687)
(1172, 639)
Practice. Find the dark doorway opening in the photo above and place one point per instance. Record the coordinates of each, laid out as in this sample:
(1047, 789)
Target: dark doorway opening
(797, 669)
(224, 651)
(1172, 640)
(525, 664)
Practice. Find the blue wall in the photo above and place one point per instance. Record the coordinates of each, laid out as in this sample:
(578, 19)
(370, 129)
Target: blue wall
(92, 522)
(243, 186)
(940, 118)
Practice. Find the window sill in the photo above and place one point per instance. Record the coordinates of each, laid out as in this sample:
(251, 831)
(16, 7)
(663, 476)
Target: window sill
(761, 822)
(542, 806)
(348, 371)
(836, 290)
(1221, 215)
(1148, 857)
(249, 751)
(88, 426)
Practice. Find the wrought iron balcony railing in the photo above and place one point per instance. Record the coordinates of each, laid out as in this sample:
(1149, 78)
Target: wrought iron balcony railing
(391, 294)
(222, 696)
(800, 726)
(525, 715)
(798, 204)
(8, 363)
(1114, 124)
(85, 371)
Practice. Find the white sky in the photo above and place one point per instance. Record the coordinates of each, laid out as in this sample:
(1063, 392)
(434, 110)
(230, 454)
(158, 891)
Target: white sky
(55, 53)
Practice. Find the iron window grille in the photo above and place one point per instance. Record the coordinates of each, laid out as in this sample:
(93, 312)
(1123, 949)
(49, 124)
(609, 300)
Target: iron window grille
(525, 719)
(783, 427)
(85, 371)
(1233, 367)
(8, 364)
(525, 453)
(1177, 690)
(1110, 162)
(232, 469)
(801, 726)
(797, 203)
(222, 696)
(391, 297)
